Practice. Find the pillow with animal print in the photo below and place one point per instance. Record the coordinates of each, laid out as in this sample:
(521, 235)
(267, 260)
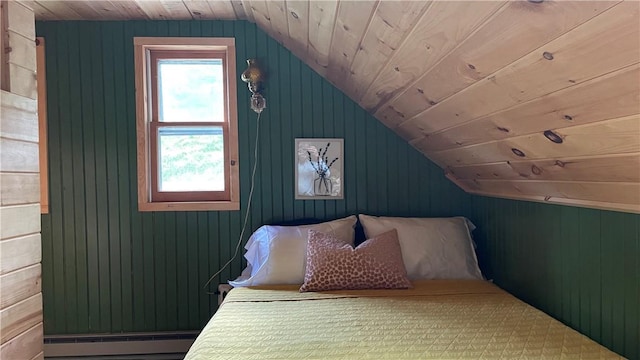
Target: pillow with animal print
(333, 264)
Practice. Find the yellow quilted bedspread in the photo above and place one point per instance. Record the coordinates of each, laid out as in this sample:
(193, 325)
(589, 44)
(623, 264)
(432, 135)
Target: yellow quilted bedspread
(434, 320)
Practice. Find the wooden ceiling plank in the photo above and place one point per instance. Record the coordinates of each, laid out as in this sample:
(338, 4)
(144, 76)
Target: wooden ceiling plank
(40, 12)
(164, 10)
(351, 23)
(606, 97)
(107, 9)
(129, 10)
(608, 42)
(391, 23)
(512, 33)
(238, 9)
(322, 17)
(298, 25)
(615, 136)
(278, 14)
(200, 9)
(61, 10)
(223, 9)
(613, 192)
(93, 10)
(176, 10)
(246, 5)
(440, 30)
(612, 168)
(602, 205)
(85, 9)
(261, 15)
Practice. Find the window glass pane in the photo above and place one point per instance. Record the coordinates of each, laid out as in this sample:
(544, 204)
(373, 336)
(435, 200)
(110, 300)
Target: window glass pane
(191, 158)
(190, 90)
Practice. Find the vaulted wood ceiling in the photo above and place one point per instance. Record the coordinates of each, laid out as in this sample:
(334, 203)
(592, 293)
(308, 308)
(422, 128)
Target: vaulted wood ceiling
(536, 100)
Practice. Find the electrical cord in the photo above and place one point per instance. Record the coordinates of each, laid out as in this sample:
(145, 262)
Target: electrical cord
(246, 215)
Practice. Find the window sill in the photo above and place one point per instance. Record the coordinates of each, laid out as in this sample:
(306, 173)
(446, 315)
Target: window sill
(189, 206)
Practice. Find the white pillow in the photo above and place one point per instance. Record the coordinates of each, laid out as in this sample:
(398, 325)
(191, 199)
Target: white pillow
(278, 254)
(432, 248)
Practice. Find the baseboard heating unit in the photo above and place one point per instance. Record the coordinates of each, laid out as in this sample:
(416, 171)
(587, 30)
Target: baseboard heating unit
(118, 344)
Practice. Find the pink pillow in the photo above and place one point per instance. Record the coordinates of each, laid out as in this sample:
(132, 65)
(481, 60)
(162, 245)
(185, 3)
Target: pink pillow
(333, 265)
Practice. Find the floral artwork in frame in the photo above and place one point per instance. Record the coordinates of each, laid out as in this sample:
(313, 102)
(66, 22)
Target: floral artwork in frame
(319, 171)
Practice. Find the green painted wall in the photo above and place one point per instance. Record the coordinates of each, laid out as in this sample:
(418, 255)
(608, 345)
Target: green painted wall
(109, 268)
(581, 266)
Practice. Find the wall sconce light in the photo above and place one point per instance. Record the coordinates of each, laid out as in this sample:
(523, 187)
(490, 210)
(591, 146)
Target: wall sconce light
(254, 77)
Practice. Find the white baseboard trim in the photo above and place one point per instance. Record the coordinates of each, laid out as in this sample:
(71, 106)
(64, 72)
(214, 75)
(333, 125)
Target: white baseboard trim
(120, 344)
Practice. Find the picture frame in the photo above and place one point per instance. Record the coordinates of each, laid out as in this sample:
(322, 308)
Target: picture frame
(319, 169)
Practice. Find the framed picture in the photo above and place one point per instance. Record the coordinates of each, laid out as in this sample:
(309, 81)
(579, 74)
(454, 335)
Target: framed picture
(319, 172)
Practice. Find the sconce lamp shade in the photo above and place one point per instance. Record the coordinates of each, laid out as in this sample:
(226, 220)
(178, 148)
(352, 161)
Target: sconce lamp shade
(253, 76)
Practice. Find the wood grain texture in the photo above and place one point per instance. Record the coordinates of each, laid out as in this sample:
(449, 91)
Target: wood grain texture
(390, 25)
(616, 94)
(612, 168)
(23, 51)
(298, 25)
(27, 345)
(39, 11)
(20, 317)
(22, 81)
(19, 188)
(21, 329)
(223, 10)
(25, 220)
(162, 10)
(43, 157)
(622, 136)
(200, 9)
(441, 29)
(18, 156)
(613, 32)
(19, 285)
(129, 9)
(515, 30)
(59, 9)
(19, 252)
(278, 17)
(20, 20)
(549, 200)
(618, 192)
(352, 21)
(18, 119)
(246, 6)
(322, 17)
(261, 16)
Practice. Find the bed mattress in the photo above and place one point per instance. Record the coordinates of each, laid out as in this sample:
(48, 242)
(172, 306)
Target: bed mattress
(434, 320)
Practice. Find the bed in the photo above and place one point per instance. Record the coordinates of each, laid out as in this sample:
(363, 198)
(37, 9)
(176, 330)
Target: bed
(436, 319)
(412, 289)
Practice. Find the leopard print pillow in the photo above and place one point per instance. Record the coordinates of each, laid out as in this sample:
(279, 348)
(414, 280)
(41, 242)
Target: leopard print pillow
(374, 264)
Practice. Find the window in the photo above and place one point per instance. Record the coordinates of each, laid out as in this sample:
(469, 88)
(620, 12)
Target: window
(186, 124)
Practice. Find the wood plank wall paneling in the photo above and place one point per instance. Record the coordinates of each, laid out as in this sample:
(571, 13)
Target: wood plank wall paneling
(21, 330)
(108, 267)
(581, 266)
